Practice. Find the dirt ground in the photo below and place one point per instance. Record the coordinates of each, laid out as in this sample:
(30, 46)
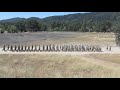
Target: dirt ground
(42, 38)
(60, 64)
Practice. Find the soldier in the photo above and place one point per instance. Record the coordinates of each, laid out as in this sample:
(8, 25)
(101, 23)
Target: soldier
(93, 48)
(56, 48)
(35, 48)
(59, 47)
(46, 48)
(15, 48)
(53, 48)
(63, 48)
(49, 48)
(96, 48)
(4, 49)
(32, 47)
(76, 48)
(25, 48)
(73, 48)
(29, 49)
(83, 48)
(39, 48)
(80, 49)
(18, 49)
(8, 47)
(68, 48)
(43, 48)
(21, 48)
(87, 48)
(107, 48)
(100, 50)
(90, 48)
(110, 48)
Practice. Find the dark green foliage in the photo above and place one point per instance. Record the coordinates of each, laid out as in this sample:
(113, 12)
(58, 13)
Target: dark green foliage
(117, 39)
(2, 29)
(88, 22)
(12, 29)
(20, 26)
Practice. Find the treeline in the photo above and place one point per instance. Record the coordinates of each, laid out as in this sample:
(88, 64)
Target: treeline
(35, 25)
(23, 26)
(88, 22)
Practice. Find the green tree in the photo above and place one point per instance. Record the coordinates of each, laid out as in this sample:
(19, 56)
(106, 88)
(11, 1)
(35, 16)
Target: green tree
(32, 25)
(20, 26)
(12, 29)
(116, 29)
(2, 29)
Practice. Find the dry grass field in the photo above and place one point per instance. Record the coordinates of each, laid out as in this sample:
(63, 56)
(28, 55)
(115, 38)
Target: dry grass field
(59, 65)
(38, 38)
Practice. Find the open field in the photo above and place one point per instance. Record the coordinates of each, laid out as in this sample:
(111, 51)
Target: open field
(39, 38)
(63, 65)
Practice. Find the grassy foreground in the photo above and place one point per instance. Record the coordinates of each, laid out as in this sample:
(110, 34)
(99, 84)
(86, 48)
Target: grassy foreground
(58, 66)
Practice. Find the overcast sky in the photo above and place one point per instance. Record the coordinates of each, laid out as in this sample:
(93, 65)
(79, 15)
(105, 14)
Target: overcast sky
(7, 15)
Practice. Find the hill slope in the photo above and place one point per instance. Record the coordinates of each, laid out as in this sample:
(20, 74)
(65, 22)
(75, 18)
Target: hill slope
(73, 17)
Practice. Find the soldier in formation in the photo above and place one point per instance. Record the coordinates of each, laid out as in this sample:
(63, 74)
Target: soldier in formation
(54, 48)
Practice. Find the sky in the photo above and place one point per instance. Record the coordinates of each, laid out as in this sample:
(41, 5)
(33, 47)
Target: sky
(7, 15)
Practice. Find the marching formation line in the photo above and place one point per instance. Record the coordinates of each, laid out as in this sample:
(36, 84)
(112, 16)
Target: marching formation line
(115, 50)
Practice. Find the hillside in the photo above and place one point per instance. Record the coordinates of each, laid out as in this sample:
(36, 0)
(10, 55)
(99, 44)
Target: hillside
(83, 22)
(73, 17)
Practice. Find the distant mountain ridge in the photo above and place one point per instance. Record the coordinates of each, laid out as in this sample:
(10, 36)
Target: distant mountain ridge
(72, 17)
(82, 22)
(16, 19)
(13, 19)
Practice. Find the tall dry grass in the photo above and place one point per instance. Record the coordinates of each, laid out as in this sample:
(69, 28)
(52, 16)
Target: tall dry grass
(53, 66)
